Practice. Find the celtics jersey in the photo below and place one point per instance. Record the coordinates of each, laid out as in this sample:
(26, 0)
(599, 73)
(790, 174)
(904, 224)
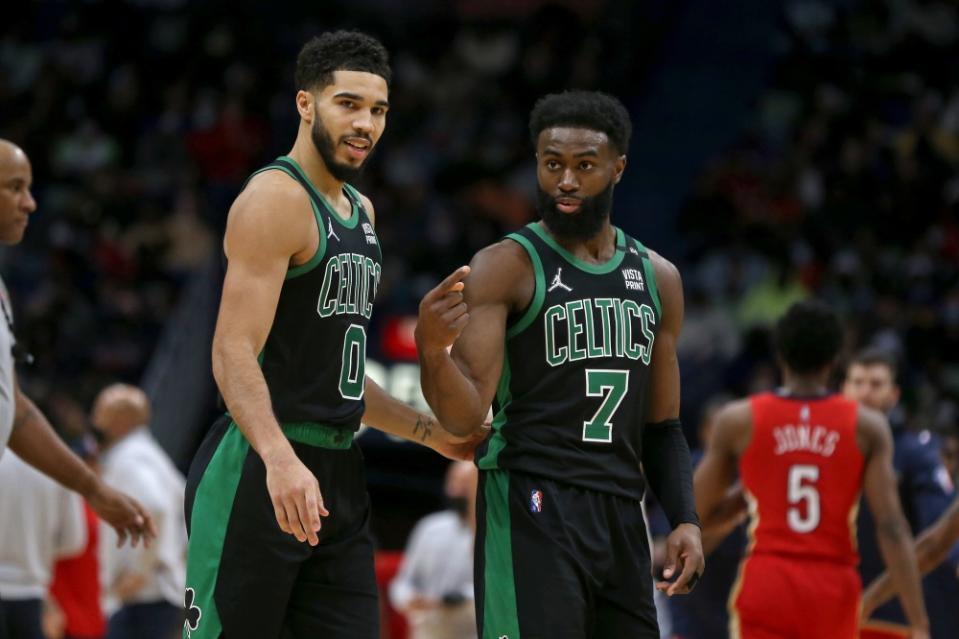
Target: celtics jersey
(314, 359)
(571, 399)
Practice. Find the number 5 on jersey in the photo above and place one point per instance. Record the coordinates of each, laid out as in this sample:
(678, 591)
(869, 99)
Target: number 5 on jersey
(800, 492)
(611, 385)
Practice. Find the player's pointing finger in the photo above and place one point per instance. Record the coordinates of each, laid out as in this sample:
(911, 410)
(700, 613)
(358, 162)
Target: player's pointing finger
(453, 281)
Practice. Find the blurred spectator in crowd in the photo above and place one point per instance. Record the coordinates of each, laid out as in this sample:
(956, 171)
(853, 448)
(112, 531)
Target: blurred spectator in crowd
(434, 587)
(925, 491)
(40, 522)
(74, 610)
(145, 584)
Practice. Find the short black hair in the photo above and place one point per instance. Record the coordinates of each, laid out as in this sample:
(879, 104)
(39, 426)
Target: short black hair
(591, 110)
(873, 356)
(808, 337)
(339, 51)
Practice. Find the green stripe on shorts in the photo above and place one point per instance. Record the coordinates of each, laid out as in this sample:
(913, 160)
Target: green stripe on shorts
(499, 593)
(212, 507)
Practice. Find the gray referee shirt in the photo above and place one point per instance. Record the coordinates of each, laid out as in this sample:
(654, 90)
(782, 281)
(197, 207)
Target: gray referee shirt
(7, 387)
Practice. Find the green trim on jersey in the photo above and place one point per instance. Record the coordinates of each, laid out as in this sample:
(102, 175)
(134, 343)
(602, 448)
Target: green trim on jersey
(354, 215)
(499, 597)
(503, 397)
(314, 261)
(212, 508)
(314, 434)
(650, 278)
(309, 265)
(319, 435)
(595, 269)
(539, 289)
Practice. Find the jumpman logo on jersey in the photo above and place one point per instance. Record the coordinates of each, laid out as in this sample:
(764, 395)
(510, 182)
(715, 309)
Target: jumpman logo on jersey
(558, 282)
(332, 233)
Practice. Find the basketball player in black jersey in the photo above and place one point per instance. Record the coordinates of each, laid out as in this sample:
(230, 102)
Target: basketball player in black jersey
(568, 327)
(289, 357)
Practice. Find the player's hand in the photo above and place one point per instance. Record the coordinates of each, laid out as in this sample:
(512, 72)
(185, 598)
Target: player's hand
(684, 555)
(443, 314)
(919, 633)
(124, 514)
(295, 493)
(419, 602)
(461, 448)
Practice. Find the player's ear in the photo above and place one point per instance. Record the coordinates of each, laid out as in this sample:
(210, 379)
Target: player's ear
(306, 105)
(618, 167)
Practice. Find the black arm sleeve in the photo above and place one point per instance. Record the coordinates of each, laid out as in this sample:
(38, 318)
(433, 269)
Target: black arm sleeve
(669, 471)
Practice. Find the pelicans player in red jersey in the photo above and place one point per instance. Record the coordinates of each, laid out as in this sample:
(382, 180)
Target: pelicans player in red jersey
(803, 456)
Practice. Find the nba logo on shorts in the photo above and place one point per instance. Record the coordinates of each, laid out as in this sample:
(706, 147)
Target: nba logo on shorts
(536, 501)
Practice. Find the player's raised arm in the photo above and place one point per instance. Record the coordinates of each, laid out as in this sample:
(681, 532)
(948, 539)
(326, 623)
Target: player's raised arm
(268, 229)
(469, 311)
(719, 504)
(666, 460)
(932, 548)
(892, 529)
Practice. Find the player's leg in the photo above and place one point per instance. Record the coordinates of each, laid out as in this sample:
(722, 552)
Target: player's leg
(624, 606)
(240, 565)
(335, 595)
(528, 582)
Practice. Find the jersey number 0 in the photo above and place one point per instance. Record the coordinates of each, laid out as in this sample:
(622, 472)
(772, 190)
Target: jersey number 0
(353, 365)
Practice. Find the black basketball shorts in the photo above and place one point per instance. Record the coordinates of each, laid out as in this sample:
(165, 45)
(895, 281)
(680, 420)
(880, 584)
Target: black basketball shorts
(246, 578)
(558, 562)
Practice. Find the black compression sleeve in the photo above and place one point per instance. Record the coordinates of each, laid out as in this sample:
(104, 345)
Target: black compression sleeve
(669, 471)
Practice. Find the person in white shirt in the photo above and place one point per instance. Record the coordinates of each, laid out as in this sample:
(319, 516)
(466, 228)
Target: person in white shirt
(145, 584)
(23, 428)
(434, 586)
(40, 522)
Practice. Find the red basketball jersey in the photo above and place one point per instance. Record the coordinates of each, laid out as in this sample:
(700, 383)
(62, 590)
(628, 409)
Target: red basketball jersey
(802, 473)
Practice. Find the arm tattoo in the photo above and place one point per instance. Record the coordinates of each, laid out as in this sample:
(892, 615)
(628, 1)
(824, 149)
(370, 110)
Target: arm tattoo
(423, 428)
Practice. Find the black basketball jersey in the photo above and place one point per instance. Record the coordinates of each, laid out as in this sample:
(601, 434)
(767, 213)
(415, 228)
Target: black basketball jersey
(571, 399)
(314, 359)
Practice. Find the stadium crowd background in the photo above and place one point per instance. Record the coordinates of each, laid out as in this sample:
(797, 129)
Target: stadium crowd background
(827, 166)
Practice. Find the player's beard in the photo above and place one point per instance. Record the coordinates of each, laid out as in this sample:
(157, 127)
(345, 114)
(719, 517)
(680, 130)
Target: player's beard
(584, 223)
(326, 147)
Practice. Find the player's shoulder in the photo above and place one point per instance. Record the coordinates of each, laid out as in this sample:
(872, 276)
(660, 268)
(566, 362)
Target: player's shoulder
(872, 421)
(501, 272)
(735, 413)
(669, 284)
(872, 430)
(505, 258)
(272, 194)
(665, 270)
(273, 210)
(734, 425)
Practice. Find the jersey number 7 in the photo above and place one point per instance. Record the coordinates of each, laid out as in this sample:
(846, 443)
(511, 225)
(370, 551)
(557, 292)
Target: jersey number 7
(611, 385)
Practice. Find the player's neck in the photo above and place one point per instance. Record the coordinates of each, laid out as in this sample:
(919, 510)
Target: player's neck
(305, 154)
(811, 385)
(597, 249)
